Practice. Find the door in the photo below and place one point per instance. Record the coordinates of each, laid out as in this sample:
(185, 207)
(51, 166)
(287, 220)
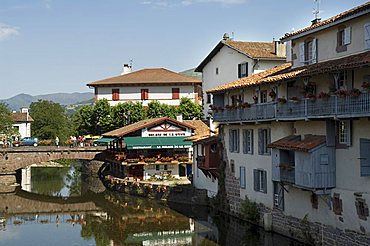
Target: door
(278, 196)
(182, 170)
(189, 170)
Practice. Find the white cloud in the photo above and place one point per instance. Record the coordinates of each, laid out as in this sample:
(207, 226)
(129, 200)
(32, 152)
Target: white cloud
(7, 31)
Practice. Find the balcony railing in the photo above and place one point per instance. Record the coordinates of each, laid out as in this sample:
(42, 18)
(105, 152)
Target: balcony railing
(287, 175)
(333, 107)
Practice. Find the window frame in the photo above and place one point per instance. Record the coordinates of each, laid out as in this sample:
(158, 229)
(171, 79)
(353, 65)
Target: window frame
(343, 133)
(264, 139)
(144, 94)
(243, 70)
(260, 180)
(175, 93)
(248, 141)
(234, 140)
(115, 94)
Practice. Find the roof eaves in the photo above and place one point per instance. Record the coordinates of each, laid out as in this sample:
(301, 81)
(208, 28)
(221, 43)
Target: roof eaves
(214, 51)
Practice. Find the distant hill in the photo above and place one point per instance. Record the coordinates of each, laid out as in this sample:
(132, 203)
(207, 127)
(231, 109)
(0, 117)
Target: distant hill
(192, 73)
(66, 99)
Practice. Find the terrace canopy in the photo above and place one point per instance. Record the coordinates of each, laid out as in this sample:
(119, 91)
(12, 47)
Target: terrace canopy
(157, 143)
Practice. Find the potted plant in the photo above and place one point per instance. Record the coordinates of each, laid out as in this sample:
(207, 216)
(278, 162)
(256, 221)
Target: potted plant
(341, 93)
(150, 159)
(311, 97)
(281, 100)
(324, 95)
(272, 94)
(365, 85)
(244, 105)
(355, 92)
(294, 99)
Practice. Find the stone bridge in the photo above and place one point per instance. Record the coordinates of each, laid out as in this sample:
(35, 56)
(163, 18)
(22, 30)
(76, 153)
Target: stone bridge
(12, 159)
(24, 202)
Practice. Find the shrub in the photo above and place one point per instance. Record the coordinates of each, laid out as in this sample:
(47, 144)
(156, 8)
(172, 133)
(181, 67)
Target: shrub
(46, 142)
(250, 210)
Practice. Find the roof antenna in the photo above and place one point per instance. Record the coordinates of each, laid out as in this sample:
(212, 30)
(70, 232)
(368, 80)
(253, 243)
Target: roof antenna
(316, 12)
(131, 61)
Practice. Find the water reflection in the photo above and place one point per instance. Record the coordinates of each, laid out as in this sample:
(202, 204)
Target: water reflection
(88, 218)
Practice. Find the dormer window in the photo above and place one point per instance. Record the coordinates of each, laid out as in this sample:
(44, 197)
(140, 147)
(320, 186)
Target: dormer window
(343, 38)
(308, 51)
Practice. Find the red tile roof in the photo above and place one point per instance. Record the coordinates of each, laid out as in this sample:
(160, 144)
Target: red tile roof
(152, 76)
(21, 117)
(296, 143)
(143, 124)
(251, 80)
(254, 50)
(359, 10)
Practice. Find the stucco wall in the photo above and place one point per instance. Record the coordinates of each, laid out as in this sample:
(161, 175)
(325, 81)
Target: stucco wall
(163, 94)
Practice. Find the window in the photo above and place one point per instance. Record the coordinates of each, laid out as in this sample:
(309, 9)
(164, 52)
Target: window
(144, 94)
(243, 70)
(115, 94)
(278, 195)
(232, 166)
(209, 98)
(157, 167)
(260, 180)
(315, 201)
(344, 133)
(165, 167)
(216, 70)
(234, 140)
(362, 208)
(248, 141)
(343, 38)
(175, 93)
(337, 204)
(263, 96)
(213, 148)
(367, 35)
(235, 99)
(308, 52)
(242, 178)
(264, 139)
(364, 157)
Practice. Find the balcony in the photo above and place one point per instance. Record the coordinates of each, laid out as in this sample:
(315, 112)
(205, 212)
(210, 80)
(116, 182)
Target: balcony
(201, 161)
(287, 174)
(332, 107)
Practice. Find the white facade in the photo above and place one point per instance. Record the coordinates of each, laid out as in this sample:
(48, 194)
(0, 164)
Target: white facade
(160, 93)
(24, 129)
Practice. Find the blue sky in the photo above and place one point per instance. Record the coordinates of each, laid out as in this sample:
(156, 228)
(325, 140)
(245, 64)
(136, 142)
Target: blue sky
(49, 46)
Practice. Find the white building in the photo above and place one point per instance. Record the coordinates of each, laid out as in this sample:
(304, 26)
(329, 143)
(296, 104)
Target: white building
(22, 122)
(302, 148)
(231, 60)
(151, 84)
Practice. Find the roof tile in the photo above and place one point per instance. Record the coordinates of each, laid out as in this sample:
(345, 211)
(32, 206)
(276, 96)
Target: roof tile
(293, 142)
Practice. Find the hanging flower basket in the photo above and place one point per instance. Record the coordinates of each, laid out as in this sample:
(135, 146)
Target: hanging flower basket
(281, 100)
(355, 92)
(294, 99)
(324, 95)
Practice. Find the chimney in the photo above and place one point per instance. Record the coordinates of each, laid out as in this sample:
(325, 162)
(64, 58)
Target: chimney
(126, 69)
(315, 21)
(280, 48)
(226, 37)
(179, 117)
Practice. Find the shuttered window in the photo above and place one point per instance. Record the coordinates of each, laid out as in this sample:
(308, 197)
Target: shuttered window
(234, 140)
(264, 139)
(367, 35)
(175, 93)
(242, 178)
(308, 52)
(115, 94)
(344, 133)
(144, 94)
(248, 141)
(260, 180)
(364, 157)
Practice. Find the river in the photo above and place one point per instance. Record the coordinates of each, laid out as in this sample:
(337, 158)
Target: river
(56, 206)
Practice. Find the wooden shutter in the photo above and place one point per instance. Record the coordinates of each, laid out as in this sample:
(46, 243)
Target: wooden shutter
(268, 141)
(175, 93)
(330, 133)
(256, 180)
(364, 157)
(367, 35)
(260, 141)
(231, 140)
(115, 94)
(237, 149)
(264, 173)
(314, 50)
(301, 53)
(239, 70)
(347, 35)
(242, 177)
(245, 141)
(251, 141)
(349, 132)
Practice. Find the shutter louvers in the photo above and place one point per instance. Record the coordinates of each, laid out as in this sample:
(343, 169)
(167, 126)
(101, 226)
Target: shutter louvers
(347, 35)
(260, 142)
(301, 53)
(230, 140)
(245, 142)
(239, 70)
(349, 133)
(264, 181)
(367, 35)
(251, 141)
(237, 141)
(268, 141)
(255, 180)
(314, 51)
(364, 157)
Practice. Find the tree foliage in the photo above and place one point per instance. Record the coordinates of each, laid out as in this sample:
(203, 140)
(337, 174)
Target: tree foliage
(189, 110)
(6, 121)
(156, 109)
(50, 120)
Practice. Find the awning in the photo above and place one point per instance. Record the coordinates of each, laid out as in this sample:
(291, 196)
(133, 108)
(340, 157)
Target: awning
(104, 140)
(157, 143)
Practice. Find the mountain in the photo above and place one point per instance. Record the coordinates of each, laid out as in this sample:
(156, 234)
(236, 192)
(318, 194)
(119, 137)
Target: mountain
(192, 73)
(66, 99)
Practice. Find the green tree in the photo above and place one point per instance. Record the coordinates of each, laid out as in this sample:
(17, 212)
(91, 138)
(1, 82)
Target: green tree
(127, 113)
(156, 109)
(50, 120)
(189, 110)
(82, 120)
(101, 117)
(6, 121)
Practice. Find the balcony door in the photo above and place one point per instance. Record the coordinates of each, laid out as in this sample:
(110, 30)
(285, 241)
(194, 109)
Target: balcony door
(278, 196)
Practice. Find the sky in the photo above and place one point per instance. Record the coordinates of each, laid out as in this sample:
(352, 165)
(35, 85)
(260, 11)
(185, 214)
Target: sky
(51, 46)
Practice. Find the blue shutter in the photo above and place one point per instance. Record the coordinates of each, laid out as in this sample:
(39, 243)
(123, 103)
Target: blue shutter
(264, 181)
(260, 143)
(239, 70)
(251, 142)
(268, 141)
(364, 157)
(237, 141)
(256, 180)
(230, 140)
(242, 177)
(245, 142)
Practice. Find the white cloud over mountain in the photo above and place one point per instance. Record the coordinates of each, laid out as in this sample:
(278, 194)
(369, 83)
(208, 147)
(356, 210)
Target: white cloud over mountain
(7, 31)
